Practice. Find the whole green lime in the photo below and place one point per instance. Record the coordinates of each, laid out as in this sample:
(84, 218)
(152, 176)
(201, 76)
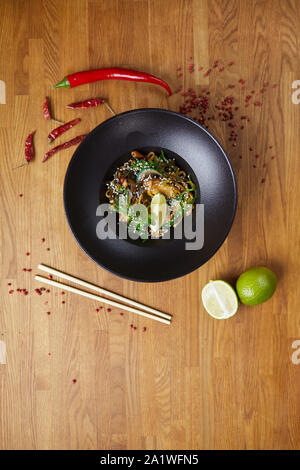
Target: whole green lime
(256, 285)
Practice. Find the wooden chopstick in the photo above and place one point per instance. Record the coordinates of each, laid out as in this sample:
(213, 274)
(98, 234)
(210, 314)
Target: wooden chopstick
(101, 299)
(108, 293)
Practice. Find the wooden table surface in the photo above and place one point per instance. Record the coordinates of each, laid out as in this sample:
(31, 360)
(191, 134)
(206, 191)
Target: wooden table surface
(201, 383)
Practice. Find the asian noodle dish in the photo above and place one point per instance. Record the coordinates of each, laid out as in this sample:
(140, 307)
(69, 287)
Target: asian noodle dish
(151, 193)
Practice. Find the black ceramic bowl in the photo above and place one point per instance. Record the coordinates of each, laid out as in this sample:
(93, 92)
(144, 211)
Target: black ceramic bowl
(194, 149)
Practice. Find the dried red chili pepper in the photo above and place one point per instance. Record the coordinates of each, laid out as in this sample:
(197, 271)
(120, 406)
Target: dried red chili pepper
(61, 129)
(29, 150)
(46, 111)
(65, 145)
(86, 104)
(115, 73)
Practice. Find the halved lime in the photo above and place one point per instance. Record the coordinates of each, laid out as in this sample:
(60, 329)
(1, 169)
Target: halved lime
(158, 211)
(219, 299)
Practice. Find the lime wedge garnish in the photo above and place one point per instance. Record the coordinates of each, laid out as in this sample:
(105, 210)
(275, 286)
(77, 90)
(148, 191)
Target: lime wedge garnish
(158, 211)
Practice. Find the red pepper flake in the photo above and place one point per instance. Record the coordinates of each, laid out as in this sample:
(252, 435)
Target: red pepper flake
(178, 89)
(109, 309)
(272, 158)
(24, 270)
(263, 180)
(9, 283)
(74, 381)
(178, 68)
(257, 103)
(47, 291)
(221, 69)
(20, 195)
(46, 303)
(27, 254)
(38, 291)
(200, 68)
(144, 329)
(250, 148)
(231, 63)
(48, 313)
(63, 302)
(257, 155)
(25, 292)
(97, 309)
(43, 240)
(50, 276)
(253, 91)
(121, 313)
(179, 75)
(231, 86)
(62, 293)
(49, 354)
(207, 73)
(265, 165)
(266, 84)
(11, 291)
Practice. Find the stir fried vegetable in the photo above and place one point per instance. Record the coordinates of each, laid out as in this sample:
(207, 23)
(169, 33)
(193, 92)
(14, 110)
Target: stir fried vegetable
(144, 177)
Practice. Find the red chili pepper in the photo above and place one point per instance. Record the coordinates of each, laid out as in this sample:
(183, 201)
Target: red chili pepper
(115, 73)
(61, 129)
(65, 145)
(46, 111)
(29, 150)
(86, 104)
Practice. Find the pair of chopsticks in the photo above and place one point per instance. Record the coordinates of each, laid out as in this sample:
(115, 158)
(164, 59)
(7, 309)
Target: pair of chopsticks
(141, 309)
